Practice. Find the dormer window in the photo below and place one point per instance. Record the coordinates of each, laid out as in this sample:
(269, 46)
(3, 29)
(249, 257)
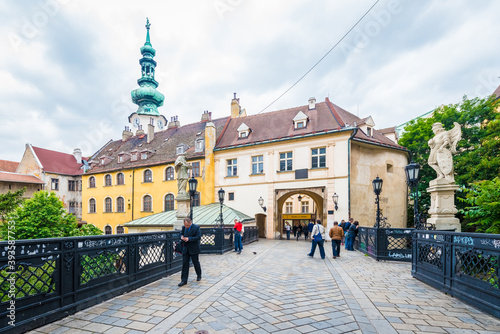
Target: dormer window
(120, 158)
(103, 160)
(199, 145)
(181, 148)
(300, 120)
(133, 156)
(369, 132)
(144, 155)
(243, 131)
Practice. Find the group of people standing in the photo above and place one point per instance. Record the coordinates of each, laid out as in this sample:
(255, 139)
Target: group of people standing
(338, 233)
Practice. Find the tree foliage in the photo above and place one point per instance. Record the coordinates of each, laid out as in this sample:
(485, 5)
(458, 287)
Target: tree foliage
(43, 216)
(10, 201)
(483, 205)
(479, 150)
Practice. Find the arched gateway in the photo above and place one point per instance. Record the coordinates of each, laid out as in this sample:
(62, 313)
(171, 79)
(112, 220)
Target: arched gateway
(317, 211)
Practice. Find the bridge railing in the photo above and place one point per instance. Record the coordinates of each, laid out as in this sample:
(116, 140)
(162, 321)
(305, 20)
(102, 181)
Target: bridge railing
(42, 280)
(391, 244)
(463, 265)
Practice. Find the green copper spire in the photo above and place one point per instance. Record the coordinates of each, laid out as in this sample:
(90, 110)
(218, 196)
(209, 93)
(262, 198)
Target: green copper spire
(146, 96)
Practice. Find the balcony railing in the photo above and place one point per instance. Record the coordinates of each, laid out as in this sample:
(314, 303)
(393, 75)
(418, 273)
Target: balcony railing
(43, 280)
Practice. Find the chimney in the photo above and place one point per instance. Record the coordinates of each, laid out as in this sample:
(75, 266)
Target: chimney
(77, 153)
(235, 107)
(139, 131)
(174, 122)
(312, 103)
(126, 134)
(151, 132)
(206, 116)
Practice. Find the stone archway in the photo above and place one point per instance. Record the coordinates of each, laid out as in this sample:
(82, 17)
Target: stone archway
(315, 193)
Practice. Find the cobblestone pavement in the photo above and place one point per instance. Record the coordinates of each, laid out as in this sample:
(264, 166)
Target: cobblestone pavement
(274, 287)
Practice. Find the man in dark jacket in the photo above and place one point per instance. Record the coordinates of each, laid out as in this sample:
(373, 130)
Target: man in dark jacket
(190, 235)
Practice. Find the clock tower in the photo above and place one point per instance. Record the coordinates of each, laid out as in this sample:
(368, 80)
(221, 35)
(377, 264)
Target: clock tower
(146, 96)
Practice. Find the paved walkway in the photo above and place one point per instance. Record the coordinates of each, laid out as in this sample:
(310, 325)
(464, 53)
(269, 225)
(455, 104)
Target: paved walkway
(273, 287)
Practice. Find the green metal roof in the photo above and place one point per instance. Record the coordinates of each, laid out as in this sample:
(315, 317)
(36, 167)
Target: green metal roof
(205, 215)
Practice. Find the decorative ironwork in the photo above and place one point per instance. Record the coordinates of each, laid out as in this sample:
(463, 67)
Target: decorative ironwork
(478, 265)
(102, 264)
(431, 254)
(152, 253)
(29, 280)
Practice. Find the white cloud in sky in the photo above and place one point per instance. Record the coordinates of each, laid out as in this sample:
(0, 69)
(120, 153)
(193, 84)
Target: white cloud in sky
(67, 66)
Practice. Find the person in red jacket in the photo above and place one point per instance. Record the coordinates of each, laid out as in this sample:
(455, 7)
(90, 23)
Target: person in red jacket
(238, 227)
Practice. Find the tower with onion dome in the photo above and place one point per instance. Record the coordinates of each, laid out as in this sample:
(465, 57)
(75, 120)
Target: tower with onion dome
(146, 96)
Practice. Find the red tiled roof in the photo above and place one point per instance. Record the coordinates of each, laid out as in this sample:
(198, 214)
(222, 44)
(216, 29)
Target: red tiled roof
(21, 178)
(497, 92)
(8, 166)
(277, 125)
(58, 162)
(391, 129)
(162, 149)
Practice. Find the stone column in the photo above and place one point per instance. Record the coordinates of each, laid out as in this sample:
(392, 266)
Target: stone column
(443, 208)
(183, 207)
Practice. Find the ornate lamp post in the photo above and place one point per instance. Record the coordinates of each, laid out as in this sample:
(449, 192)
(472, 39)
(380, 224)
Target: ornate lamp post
(412, 177)
(192, 192)
(261, 203)
(336, 201)
(377, 189)
(221, 193)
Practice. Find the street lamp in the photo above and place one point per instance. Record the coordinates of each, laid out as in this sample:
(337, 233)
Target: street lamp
(377, 189)
(221, 193)
(336, 201)
(299, 198)
(192, 192)
(412, 177)
(261, 203)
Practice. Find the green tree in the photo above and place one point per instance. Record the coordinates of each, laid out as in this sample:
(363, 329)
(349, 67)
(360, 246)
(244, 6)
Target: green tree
(479, 150)
(43, 216)
(10, 201)
(483, 206)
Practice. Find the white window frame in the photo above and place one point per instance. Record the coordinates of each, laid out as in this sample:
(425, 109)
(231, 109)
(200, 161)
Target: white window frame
(318, 156)
(232, 167)
(288, 207)
(286, 159)
(304, 207)
(257, 161)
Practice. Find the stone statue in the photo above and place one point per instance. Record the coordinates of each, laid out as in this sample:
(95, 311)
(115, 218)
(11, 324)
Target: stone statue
(181, 168)
(443, 145)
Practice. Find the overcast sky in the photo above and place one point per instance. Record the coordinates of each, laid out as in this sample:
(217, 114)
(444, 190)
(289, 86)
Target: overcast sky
(67, 67)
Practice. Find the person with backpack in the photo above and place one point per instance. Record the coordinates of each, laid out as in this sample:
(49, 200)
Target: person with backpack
(351, 235)
(318, 238)
(346, 230)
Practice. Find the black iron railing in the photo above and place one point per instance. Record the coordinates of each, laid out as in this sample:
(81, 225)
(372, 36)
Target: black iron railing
(464, 265)
(43, 280)
(392, 244)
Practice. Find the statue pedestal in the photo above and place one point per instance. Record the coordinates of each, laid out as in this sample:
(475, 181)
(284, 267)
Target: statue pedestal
(182, 212)
(443, 208)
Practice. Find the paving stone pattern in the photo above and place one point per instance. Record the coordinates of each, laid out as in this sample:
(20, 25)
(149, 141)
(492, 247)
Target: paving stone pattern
(274, 287)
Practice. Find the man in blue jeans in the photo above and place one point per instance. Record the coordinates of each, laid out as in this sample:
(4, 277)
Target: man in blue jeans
(318, 229)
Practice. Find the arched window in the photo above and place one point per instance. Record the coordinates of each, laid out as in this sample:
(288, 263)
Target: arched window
(91, 182)
(148, 175)
(107, 180)
(169, 202)
(120, 178)
(108, 204)
(147, 203)
(169, 174)
(92, 205)
(120, 230)
(108, 230)
(120, 204)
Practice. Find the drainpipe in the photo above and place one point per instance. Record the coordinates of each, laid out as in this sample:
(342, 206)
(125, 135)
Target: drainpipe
(133, 178)
(355, 130)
